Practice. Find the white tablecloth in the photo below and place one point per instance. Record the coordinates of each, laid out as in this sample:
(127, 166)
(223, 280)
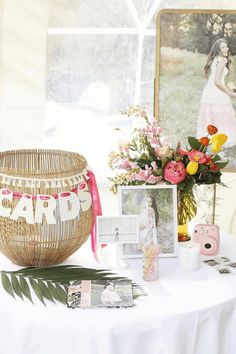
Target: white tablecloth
(184, 313)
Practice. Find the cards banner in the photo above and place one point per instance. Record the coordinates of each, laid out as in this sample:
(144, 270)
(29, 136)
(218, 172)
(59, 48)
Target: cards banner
(33, 208)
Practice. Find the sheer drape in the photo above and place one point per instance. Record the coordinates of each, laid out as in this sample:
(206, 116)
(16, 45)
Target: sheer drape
(23, 30)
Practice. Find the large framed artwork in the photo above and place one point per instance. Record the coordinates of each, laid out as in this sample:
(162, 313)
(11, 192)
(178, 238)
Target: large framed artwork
(156, 207)
(196, 75)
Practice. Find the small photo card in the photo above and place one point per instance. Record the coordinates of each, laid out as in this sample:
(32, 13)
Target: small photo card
(211, 262)
(223, 259)
(224, 270)
(233, 265)
(120, 229)
(100, 293)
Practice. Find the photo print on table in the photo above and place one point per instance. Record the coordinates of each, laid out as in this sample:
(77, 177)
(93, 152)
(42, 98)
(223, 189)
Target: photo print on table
(156, 207)
(233, 265)
(211, 262)
(223, 259)
(100, 293)
(224, 271)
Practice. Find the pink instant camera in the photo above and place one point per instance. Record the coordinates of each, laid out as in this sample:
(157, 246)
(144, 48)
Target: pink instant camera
(207, 235)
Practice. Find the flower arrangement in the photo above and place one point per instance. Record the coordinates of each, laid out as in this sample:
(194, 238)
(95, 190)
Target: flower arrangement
(149, 159)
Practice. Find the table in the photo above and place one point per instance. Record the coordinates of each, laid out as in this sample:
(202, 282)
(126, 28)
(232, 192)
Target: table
(184, 313)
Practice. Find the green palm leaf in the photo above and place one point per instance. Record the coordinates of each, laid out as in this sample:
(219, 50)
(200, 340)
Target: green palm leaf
(25, 288)
(16, 286)
(52, 283)
(37, 289)
(7, 284)
(45, 291)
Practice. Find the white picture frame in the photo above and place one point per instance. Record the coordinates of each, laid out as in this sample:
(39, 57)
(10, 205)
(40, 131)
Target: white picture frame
(163, 198)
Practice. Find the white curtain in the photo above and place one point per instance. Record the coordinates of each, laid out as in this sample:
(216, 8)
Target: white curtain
(23, 32)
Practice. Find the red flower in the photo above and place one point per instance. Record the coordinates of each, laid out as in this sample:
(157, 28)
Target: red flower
(214, 167)
(208, 160)
(204, 141)
(212, 129)
(211, 164)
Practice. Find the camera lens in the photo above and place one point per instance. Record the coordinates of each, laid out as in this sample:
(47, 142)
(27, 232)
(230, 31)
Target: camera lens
(207, 245)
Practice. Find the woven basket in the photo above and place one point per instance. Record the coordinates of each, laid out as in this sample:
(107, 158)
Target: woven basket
(46, 172)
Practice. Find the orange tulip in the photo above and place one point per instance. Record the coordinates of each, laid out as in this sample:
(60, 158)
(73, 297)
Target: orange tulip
(204, 141)
(212, 129)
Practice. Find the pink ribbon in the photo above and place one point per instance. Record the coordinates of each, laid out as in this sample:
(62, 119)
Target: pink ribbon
(96, 210)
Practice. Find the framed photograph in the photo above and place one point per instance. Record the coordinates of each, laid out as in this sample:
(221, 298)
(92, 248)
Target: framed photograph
(156, 207)
(196, 75)
(120, 229)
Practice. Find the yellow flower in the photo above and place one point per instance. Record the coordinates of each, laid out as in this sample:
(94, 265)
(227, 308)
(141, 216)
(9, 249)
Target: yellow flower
(217, 141)
(192, 167)
(183, 229)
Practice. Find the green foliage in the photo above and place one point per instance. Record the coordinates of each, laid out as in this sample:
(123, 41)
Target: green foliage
(221, 164)
(201, 168)
(194, 143)
(51, 283)
(197, 32)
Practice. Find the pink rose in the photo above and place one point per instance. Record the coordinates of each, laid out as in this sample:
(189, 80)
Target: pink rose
(174, 172)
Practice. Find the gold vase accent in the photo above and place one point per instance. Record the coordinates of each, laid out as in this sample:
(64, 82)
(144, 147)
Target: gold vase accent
(187, 209)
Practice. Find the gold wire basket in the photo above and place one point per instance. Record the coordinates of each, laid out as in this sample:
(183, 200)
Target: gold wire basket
(42, 172)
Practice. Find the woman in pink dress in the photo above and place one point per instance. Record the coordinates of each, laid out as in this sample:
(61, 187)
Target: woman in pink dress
(216, 106)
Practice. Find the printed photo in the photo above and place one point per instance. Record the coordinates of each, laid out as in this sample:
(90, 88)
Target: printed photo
(212, 262)
(223, 259)
(233, 265)
(120, 229)
(223, 271)
(157, 218)
(100, 293)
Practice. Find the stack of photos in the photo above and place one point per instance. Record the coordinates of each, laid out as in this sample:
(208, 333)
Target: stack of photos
(223, 265)
(100, 293)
